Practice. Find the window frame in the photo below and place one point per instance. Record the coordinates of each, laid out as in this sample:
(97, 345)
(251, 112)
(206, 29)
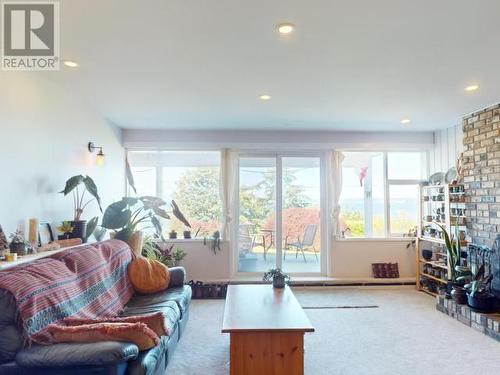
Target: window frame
(159, 176)
(387, 199)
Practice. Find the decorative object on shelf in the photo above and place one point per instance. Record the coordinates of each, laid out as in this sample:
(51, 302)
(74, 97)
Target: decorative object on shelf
(427, 254)
(11, 257)
(18, 244)
(166, 255)
(277, 276)
(68, 242)
(187, 234)
(79, 204)
(385, 270)
(33, 232)
(172, 234)
(65, 228)
(45, 235)
(100, 158)
(437, 178)
(451, 176)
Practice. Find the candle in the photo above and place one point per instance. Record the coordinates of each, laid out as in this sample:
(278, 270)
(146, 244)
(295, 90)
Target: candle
(33, 231)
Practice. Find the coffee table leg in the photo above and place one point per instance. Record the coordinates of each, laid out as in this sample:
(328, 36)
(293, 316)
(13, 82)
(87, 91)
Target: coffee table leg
(267, 353)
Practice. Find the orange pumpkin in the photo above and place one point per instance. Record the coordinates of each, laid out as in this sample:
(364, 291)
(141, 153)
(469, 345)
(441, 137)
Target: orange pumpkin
(148, 276)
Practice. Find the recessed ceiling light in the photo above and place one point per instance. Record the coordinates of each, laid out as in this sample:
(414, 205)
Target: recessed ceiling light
(472, 88)
(405, 121)
(70, 64)
(285, 28)
(265, 97)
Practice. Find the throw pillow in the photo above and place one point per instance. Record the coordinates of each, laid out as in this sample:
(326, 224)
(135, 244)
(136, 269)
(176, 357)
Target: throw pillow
(148, 276)
(137, 333)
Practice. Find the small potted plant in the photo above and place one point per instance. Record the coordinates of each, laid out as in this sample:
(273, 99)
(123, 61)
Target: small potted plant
(18, 244)
(277, 276)
(172, 234)
(66, 229)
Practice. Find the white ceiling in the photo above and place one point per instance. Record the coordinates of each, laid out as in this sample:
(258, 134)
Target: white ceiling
(350, 65)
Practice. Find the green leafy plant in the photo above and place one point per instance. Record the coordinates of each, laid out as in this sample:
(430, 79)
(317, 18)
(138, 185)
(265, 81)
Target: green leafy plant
(453, 251)
(79, 186)
(167, 256)
(137, 213)
(18, 237)
(480, 283)
(275, 272)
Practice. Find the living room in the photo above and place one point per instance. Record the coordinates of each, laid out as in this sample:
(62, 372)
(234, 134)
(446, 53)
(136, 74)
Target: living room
(225, 187)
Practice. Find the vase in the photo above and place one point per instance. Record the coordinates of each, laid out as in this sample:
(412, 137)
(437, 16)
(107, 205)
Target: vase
(278, 282)
(459, 295)
(79, 230)
(18, 248)
(136, 241)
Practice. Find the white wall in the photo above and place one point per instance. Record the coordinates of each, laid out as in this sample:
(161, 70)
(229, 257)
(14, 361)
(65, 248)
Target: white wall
(448, 143)
(348, 259)
(353, 258)
(44, 136)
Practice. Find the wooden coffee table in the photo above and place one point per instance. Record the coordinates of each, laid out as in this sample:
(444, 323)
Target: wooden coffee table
(267, 327)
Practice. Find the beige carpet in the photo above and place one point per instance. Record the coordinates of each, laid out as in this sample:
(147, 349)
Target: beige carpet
(404, 335)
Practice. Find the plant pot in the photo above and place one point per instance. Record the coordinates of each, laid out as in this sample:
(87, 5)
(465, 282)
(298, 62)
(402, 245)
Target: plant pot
(278, 282)
(459, 295)
(172, 235)
(79, 230)
(136, 242)
(63, 236)
(187, 234)
(449, 287)
(427, 254)
(18, 248)
(483, 302)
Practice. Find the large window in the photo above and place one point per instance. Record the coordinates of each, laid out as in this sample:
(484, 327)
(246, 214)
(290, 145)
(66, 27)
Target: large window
(191, 178)
(380, 193)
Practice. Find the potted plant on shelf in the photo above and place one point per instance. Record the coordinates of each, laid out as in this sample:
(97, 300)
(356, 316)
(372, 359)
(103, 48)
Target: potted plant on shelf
(18, 244)
(179, 215)
(79, 186)
(479, 296)
(131, 215)
(277, 276)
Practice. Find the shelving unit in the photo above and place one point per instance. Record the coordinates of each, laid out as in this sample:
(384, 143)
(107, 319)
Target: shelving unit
(443, 204)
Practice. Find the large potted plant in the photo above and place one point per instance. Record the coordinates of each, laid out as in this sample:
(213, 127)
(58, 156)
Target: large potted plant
(131, 215)
(84, 191)
(479, 296)
(458, 274)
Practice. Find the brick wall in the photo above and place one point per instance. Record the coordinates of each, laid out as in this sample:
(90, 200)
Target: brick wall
(481, 160)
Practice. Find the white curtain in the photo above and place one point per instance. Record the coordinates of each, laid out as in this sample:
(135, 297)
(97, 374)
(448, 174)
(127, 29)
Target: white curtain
(227, 189)
(335, 182)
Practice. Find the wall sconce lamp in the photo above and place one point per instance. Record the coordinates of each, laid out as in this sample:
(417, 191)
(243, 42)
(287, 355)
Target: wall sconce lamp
(100, 155)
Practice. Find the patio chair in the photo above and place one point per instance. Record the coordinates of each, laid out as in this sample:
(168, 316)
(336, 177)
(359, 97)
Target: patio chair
(306, 242)
(246, 242)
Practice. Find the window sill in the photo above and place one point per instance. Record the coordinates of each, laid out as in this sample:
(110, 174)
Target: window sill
(376, 239)
(188, 240)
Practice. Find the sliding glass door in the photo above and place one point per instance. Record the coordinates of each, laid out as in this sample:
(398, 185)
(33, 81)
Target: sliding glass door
(280, 214)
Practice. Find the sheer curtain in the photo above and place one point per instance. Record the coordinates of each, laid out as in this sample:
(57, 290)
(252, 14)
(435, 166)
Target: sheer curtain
(335, 182)
(227, 189)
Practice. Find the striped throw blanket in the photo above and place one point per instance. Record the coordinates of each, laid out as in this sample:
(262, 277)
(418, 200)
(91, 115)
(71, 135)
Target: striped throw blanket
(88, 281)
